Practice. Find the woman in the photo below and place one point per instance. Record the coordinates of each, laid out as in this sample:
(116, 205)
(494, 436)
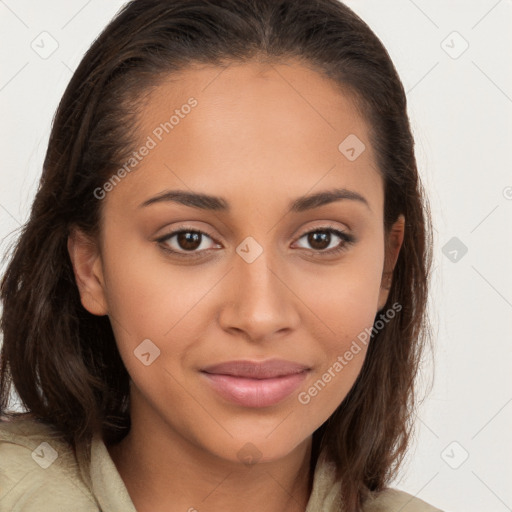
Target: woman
(218, 302)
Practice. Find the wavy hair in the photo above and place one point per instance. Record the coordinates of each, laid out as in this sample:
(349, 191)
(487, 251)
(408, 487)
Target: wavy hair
(63, 361)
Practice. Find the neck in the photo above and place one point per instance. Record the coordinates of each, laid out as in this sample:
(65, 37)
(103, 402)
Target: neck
(163, 471)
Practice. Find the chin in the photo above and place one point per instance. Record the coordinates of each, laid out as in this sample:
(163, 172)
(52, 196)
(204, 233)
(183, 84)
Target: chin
(255, 448)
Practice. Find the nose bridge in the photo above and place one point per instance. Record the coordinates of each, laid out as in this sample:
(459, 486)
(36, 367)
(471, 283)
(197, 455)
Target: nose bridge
(259, 302)
(257, 277)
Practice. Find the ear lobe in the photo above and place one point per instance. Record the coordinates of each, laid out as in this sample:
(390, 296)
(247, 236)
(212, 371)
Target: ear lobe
(393, 245)
(88, 269)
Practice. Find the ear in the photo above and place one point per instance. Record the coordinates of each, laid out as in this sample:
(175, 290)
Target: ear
(88, 269)
(393, 244)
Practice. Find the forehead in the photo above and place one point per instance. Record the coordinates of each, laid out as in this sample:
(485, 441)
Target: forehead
(246, 130)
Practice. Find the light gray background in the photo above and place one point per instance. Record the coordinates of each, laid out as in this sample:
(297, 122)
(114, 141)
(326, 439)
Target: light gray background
(460, 106)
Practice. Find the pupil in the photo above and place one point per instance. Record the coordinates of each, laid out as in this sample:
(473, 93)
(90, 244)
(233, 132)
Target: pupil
(319, 236)
(189, 240)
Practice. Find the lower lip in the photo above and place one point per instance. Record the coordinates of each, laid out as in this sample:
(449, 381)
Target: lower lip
(255, 392)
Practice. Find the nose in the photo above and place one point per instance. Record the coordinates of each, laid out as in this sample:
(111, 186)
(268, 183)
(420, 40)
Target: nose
(260, 301)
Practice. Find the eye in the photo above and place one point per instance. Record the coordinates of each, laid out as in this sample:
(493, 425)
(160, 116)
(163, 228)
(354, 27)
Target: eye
(191, 243)
(323, 240)
(185, 242)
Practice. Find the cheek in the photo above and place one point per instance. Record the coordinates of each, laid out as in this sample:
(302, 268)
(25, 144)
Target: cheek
(345, 297)
(341, 336)
(148, 295)
(150, 300)
(344, 303)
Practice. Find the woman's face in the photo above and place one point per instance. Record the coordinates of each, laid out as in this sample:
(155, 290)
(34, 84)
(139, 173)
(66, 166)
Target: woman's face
(264, 271)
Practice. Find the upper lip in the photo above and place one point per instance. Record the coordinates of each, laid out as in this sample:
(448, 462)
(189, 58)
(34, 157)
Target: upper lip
(256, 370)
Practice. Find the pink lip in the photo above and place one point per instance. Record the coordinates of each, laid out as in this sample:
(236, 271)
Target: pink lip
(253, 384)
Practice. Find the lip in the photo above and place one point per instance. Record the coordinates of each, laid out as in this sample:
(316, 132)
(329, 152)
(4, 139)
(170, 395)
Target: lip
(255, 384)
(256, 369)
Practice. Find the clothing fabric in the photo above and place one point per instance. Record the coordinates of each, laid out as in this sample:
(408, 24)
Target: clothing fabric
(39, 472)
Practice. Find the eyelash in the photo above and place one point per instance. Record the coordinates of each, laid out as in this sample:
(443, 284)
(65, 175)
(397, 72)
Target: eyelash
(347, 239)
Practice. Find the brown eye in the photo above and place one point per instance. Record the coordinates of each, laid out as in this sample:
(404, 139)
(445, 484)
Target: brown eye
(188, 240)
(320, 240)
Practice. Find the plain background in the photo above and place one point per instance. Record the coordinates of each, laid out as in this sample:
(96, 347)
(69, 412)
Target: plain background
(460, 106)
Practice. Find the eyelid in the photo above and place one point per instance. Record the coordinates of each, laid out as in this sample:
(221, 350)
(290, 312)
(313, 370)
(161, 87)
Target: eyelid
(326, 225)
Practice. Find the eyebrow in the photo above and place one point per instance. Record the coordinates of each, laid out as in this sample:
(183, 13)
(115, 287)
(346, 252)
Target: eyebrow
(215, 203)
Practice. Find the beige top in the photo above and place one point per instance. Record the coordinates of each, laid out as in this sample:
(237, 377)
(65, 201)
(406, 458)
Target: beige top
(40, 473)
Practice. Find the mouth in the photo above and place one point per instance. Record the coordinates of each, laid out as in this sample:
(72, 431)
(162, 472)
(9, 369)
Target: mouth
(257, 370)
(255, 384)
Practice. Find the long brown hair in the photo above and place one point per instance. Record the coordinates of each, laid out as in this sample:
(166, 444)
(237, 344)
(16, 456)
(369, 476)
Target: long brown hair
(63, 361)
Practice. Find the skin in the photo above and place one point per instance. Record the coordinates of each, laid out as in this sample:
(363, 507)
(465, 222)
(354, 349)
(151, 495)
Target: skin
(261, 136)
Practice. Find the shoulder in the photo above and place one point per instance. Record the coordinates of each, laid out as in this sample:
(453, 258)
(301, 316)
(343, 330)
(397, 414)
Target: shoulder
(392, 499)
(38, 470)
